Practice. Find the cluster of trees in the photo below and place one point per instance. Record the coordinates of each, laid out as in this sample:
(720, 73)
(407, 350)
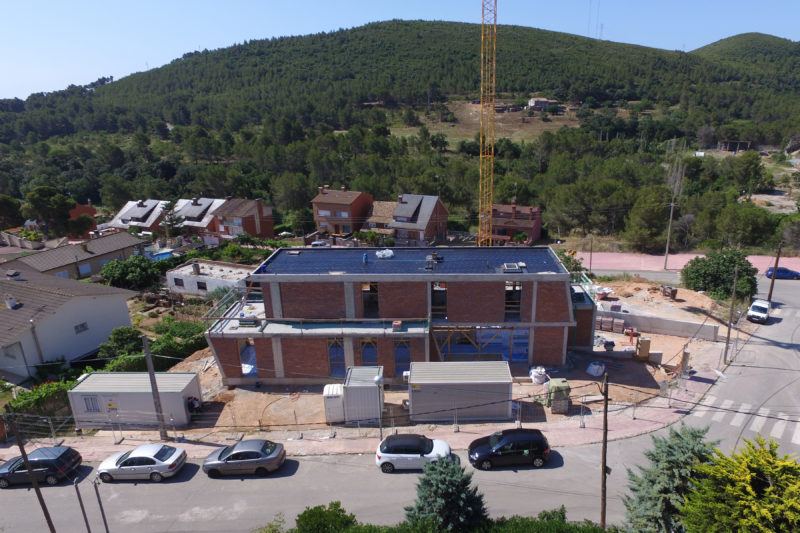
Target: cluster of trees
(276, 119)
(175, 340)
(690, 486)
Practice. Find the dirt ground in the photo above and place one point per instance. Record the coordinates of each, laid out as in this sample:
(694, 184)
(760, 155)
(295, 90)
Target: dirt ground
(292, 407)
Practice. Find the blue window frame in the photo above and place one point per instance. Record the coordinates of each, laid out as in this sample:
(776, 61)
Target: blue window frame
(336, 357)
(402, 358)
(369, 353)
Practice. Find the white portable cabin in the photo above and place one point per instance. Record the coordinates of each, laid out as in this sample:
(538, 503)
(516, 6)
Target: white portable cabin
(460, 391)
(103, 399)
(358, 400)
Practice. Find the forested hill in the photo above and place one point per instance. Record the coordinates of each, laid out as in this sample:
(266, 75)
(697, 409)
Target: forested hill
(325, 78)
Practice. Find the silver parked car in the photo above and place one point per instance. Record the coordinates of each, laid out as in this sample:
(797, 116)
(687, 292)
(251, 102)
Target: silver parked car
(409, 451)
(148, 461)
(256, 456)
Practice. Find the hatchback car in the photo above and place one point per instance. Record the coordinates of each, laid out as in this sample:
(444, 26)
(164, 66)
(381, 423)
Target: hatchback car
(49, 464)
(148, 461)
(409, 452)
(758, 311)
(509, 447)
(255, 456)
(783, 273)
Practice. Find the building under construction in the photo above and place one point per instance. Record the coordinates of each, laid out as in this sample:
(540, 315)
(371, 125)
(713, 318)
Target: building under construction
(309, 314)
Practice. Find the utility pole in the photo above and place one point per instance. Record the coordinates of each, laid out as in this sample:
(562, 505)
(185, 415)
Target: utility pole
(676, 172)
(12, 425)
(774, 273)
(603, 466)
(162, 429)
(730, 317)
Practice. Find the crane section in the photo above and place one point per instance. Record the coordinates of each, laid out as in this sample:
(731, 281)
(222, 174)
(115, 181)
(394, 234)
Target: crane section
(488, 63)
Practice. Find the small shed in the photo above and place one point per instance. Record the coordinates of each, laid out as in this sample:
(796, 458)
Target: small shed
(359, 399)
(460, 391)
(103, 399)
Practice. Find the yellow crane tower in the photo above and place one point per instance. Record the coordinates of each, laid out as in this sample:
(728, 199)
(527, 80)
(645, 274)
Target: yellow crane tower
(488, 62)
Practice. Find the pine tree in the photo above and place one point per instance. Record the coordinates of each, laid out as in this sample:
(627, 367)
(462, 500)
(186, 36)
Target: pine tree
(446, 499)
(658, 491)
(755, 490)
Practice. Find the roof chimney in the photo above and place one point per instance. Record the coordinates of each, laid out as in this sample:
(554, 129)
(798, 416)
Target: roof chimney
(89, 202)
(343, 188)
(319, 190)
(140, 203)
(194, 201)
(399, 198)
(11, 302)
(196, 268)
(12, 275)
(513, 208)
(326, 187)
(85, 247)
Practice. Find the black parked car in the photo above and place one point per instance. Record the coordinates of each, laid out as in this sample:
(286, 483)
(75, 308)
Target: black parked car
(509, 447)
(50, 465)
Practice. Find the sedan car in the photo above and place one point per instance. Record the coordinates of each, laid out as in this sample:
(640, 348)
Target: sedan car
(509, 447)
(404, 452)
(783, 273)
(255, 456)
(148, 461)
(49, 465)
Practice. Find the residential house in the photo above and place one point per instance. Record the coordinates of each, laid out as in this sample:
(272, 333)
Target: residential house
(196, 217)
(509, 221)
(87, 210)
(77, 261)
(308, 314)
(418, 220)
(380, 218)
(45, 318)
(340, 211)
(143, 214)
(239, 215)
(199, 277)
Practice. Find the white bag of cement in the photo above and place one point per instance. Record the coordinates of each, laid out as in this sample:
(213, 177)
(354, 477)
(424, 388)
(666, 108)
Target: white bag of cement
(538, 375)
(384, 254)
(596, 369)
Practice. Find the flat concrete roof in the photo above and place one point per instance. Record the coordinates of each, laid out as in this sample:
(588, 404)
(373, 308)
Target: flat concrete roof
(501, 261)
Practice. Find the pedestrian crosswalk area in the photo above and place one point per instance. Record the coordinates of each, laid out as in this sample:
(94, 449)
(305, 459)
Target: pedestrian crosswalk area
(769, 423)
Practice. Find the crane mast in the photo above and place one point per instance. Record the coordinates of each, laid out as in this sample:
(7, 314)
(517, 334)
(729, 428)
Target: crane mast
(488, 62)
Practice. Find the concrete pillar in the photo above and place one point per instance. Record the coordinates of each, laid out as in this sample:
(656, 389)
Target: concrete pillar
(275, 296)
(277, 356)
(349, 355)
(349, 304)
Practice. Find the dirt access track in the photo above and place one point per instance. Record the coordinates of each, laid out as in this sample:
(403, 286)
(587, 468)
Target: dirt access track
(630, 380)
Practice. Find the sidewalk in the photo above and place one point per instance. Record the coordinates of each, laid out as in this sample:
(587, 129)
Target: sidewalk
(623, 421)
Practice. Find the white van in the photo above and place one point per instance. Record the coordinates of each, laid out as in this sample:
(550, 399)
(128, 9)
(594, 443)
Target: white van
(758, 311)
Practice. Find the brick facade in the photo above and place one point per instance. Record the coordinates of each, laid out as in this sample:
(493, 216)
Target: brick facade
(551, 302)
(229, 360)
(264, 358)
(313, 300)
(403, 299)
(548, 345)
(475, 301)
(305, 358)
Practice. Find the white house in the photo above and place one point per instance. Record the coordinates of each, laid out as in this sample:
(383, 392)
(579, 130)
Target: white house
(44, 318)
(198, 277)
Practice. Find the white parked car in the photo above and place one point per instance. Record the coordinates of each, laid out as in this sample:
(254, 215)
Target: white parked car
(409, 452)
(758, 311)
(148, 461)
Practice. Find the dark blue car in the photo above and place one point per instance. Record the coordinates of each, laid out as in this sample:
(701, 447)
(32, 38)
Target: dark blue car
(783, 273)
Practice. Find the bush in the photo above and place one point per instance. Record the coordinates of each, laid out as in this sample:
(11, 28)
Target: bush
(320, 519)
(45, 399)
(714, 274)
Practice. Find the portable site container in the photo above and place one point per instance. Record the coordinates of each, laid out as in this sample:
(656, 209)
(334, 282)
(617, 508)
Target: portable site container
(363, 394)
(460, 391)
(358, 400)
(103, 399)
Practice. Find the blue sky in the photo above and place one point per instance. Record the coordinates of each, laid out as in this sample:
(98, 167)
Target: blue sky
(46, 45)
